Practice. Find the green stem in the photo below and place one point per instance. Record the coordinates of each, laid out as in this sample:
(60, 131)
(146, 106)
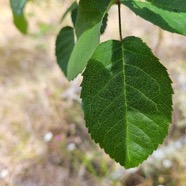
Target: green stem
(119, 17)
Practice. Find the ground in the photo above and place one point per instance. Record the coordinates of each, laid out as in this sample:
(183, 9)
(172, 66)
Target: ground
(43, 139)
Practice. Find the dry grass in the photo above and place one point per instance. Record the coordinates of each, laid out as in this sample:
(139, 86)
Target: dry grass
(31, 85)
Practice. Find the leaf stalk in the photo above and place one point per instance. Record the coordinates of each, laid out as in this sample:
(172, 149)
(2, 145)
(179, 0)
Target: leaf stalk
(119, 18)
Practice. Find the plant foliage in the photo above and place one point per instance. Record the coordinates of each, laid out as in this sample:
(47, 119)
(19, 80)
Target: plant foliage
(126, 92)
(122, 92)
(170, 15)
(18, 15)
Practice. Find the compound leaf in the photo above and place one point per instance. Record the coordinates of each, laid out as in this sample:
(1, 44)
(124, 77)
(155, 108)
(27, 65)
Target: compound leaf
(64, 46)
(127, 100)
(170, 15)
(18, 15)
(89, 20)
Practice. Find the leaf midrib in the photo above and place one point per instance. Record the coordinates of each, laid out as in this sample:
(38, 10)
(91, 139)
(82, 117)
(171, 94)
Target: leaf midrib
(127, 159)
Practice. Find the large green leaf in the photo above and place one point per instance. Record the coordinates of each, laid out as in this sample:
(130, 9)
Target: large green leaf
(170, 15)
(18, 15)
(127, 100)
(89, 20)
(64, 46)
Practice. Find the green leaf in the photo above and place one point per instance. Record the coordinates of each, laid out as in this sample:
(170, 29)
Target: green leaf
(74, 14)
(18, 6)
(170, 15)
(18, 15)
(64, 46)
(127, 100)
(21, 23)
(72, 7)
(104, 24)
(90, 15)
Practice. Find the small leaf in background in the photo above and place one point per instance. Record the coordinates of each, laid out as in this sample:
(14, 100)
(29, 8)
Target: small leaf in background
(89, 20)
(18, 6)
(104, 24)
(18, 15)
(21, 23)
(74, 15)
(64, 47)
(72, 7)
(170, 15)
(127, 100)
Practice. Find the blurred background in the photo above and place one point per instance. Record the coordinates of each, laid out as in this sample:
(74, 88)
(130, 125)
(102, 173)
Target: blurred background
(43, 139)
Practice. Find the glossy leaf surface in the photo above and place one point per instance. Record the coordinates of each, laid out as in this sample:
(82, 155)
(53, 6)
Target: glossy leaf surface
(170, 15)
(89, 20)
